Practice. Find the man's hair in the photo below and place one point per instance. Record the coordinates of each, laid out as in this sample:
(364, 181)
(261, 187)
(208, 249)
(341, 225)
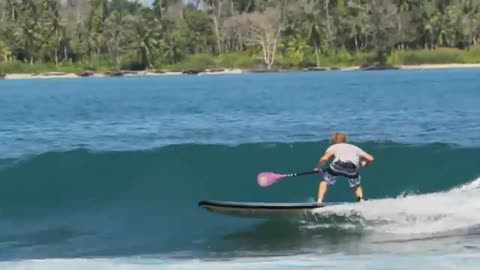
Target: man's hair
(339, 137)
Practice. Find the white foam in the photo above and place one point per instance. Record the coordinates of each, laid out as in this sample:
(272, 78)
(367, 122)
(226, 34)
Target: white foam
(456, 209)
(475, 184)
(463, 260)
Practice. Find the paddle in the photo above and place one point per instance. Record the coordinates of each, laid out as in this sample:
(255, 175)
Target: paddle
(269, 178)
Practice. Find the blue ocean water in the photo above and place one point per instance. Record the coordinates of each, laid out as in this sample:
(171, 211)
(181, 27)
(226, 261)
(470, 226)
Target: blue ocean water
(136, 113)
(106, 172)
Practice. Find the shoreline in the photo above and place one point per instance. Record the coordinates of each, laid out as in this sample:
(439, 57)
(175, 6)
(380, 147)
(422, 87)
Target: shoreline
(123, 73)
(147, 73)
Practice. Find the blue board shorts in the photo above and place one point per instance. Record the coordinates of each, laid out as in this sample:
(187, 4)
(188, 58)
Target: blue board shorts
(330, 176)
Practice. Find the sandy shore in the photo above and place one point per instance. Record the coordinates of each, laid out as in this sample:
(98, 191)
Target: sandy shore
(44, 76)
(52, 75)
(424, 66)
(440, 66)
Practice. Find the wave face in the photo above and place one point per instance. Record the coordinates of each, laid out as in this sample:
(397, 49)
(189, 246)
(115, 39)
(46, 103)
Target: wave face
(84, 203)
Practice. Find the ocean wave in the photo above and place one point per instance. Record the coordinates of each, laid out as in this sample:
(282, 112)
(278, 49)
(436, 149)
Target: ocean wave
(84, 203)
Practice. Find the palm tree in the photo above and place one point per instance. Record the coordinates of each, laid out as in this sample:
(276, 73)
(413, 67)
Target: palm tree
(214, 9)
(96, 25)
(470, 20)
(27, 32)
(314, 34)
(144, 36)
(54, 26)
(5, 52)
(161, 6)
(11, 11)
(114, 35)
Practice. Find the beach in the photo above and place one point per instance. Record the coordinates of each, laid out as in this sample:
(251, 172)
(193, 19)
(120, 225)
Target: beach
(56, 75)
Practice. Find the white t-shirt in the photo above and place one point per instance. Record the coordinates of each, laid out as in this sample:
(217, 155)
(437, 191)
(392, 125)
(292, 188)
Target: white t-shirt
(346, 152)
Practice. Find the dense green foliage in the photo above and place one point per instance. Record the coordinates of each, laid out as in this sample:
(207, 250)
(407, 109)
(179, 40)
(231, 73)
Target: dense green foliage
(76, 35)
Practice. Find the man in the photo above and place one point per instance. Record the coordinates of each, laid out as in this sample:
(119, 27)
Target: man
(347, 162)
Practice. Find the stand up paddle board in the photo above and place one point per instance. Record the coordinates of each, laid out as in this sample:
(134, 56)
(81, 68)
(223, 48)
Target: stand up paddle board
(261, 210)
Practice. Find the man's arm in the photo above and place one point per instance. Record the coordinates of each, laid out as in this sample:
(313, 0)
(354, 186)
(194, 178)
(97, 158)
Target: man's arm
(324, 159)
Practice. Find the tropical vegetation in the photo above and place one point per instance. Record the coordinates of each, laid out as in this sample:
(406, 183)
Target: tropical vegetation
(78, 35)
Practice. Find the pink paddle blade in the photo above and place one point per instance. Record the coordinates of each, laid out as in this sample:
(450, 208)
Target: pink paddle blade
(268, 178)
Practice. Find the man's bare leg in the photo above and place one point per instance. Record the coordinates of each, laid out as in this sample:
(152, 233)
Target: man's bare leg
(322, 189)
(358, 193)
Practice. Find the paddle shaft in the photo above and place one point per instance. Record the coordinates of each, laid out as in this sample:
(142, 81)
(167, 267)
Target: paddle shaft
(304, 173)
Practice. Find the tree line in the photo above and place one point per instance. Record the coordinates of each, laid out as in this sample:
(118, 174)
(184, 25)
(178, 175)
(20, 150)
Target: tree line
(135, 35)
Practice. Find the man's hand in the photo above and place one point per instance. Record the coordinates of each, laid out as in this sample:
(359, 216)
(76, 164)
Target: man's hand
(367, 159)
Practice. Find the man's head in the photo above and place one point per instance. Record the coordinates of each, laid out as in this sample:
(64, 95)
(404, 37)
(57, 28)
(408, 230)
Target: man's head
(339, 137)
